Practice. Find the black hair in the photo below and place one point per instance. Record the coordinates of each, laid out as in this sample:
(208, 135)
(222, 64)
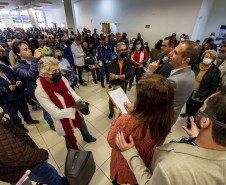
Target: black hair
(134, 45)
(68, 42)
(172, 41)
(215, 108)
(16, 47)
(158, 45)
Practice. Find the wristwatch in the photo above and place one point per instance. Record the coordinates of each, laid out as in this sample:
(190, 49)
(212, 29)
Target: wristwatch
(116, 76)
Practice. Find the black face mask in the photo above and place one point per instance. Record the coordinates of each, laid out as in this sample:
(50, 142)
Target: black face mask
(123, 54)
(59, 57)
(56, 77)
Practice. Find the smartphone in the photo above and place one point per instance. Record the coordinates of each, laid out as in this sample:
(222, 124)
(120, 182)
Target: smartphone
(44, 50)
(189, 124)
(79, 105)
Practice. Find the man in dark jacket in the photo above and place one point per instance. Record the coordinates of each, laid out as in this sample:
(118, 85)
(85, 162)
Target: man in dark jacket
(12, 97)
(91, 42)
(168, 44)
(104, 54)
(120, 70)
(19, 153)
(27, 69)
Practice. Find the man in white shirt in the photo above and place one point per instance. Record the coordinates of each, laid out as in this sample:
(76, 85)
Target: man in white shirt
(78, 56)
(66, 69)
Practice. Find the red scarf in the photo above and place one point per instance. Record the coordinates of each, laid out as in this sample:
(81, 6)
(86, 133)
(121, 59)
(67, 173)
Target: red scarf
(61, 89)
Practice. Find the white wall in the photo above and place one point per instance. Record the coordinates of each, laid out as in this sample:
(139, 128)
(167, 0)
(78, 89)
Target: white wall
(216, 18)
(58, 16)
(131, 16)
(202, 20)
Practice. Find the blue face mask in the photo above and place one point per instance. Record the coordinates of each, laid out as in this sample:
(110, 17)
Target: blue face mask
(220, 55)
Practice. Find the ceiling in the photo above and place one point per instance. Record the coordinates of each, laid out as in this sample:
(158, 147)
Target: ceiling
(24, 4)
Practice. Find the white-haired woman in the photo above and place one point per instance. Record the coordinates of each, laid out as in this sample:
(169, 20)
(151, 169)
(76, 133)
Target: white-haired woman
(55, 94)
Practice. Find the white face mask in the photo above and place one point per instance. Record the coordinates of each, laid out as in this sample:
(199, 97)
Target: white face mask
(182, 39)
(207, 61)
(213, 37)
(9, 43)
(138, 47)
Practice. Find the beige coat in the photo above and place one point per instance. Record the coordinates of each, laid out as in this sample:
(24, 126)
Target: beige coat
(179, 164)
(222, 68)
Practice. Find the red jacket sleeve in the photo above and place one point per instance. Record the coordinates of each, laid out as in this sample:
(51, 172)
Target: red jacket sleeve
(117, 125)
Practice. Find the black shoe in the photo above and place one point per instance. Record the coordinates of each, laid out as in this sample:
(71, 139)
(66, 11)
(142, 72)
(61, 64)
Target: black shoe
(26, 130)
(72, 87)
(83, 84)
(95, 81)
(183, 115)
(102, 85)
(84, 80)
(34, 107)
(93, 139)
(33, 122)
(38, 183)
(108, 82)
(98, 80)
(110, 116)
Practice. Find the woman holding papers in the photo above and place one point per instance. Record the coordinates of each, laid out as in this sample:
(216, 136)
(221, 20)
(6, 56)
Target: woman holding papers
(149, 123)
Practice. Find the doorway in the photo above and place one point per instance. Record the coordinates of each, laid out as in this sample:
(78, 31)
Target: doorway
(105, 28)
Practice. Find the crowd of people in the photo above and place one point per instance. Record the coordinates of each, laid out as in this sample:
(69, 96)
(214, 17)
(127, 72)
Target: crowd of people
(43, 67)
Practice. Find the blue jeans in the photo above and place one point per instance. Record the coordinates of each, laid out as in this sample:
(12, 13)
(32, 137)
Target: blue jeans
(137, 72)
(12, 108)
(84, 131)
(71, 77)
(95, 77)
(102, 70)
(46, 115)
(45, 173)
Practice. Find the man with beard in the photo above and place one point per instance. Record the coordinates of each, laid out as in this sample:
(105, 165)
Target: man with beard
(194, 160)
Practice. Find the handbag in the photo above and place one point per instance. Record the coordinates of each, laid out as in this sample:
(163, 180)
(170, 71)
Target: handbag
(194, 97)
(79, 167)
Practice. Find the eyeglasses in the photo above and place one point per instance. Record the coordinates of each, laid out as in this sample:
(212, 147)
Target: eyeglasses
(222, 51)
(123, 50)
(214, 120)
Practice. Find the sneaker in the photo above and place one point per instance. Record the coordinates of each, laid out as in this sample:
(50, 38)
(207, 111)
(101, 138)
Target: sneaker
(110, 116)
(102, 85)
(84, 80)
(129, 89)
(72, 87)
(33, 122)
(95, 81)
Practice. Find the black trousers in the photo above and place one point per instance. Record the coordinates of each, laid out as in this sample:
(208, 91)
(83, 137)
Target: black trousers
(80, 69)
(124, 87)
(12, 109)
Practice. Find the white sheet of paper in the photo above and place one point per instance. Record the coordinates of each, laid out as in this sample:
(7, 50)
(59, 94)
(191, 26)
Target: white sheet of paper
(119, 97)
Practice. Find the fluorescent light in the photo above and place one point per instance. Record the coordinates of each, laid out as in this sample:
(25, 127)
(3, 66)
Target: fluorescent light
(4, 3)
(46, 3)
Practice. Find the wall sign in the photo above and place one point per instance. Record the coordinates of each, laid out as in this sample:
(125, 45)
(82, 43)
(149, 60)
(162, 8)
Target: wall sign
(147, 26)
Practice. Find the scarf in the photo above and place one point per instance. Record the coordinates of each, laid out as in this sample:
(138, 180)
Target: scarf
(61, 89)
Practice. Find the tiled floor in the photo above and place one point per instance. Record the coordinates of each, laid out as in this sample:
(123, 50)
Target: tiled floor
(98, 125)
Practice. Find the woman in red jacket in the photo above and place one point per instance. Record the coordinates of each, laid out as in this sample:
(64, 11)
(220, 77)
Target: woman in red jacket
(149, 123)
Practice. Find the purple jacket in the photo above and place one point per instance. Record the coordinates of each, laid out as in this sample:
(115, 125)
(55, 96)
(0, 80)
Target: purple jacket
(28, 73)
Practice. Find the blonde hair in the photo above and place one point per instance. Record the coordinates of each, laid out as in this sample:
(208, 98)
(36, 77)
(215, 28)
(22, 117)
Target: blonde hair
(45, 63)
(213, 54)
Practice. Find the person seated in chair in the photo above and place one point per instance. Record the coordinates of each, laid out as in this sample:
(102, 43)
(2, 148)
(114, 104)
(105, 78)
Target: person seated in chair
(66, 70)
(91, 65)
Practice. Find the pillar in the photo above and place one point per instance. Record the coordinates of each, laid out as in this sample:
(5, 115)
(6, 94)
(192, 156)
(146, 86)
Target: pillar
(70, 15)
(33, 18)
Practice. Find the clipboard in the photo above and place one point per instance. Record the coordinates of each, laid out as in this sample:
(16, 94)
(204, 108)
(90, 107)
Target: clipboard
(118, 98)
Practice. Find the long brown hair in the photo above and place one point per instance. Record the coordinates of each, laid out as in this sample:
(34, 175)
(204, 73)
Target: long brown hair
(154, 106)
